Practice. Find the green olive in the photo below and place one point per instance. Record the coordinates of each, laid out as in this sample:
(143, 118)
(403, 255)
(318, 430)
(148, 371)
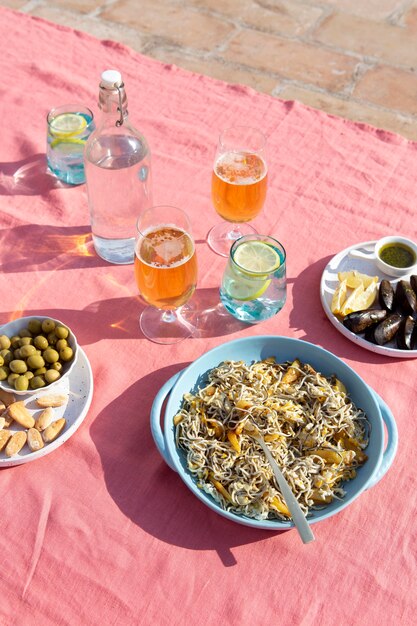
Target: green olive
(11, 378)
(24, 341)
(7, 356)
(48, 325)
(5, 342)
(26, 351)
(40, 342)
(35, 326)
(36, 355)
(25, 332)
(51, 376)
(35, 361)
(61, 332)
(50, 355)
(52, 339)
(15, 341)
(61, 343)
(4, 372)
(37, 382)
(66, 354)
(18, 366)
(21, 383)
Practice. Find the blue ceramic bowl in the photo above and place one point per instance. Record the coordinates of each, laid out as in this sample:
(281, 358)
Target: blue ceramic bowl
(283, 349)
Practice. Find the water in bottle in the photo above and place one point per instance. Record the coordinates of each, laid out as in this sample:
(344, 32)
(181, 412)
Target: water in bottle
(118, 174)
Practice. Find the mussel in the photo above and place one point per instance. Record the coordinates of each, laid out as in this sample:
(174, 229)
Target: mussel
(406, 297)
(386, 295)
(387, 329)
(358, 321)
(369, 333)
(406, 334)
(413, 283)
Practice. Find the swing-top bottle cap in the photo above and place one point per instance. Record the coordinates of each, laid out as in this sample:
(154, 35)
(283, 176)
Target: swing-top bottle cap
(111, 79)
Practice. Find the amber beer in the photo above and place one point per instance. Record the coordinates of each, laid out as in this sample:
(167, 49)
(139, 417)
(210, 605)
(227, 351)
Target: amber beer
(239, 186)
(166, 267)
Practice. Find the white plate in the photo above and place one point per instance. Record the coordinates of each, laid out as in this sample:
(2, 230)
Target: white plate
(343, 262)
(79, 386)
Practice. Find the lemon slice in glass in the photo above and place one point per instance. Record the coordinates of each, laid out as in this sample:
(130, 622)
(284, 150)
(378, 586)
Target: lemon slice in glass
(245, 289)
(257, 257)
(67, 145)
(67, 124)
(256, 261)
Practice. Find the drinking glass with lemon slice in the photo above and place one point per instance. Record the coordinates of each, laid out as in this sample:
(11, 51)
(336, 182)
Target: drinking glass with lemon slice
(254, 285)
(69, 127)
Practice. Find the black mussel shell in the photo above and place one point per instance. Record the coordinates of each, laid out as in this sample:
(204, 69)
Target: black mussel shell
(406, 334)
(406, 297)
(386, 295)
(369, 333)
(386, 330)
(358, 321)
(413, 283)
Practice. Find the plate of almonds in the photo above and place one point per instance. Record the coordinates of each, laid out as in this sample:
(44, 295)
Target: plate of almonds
(34, 425)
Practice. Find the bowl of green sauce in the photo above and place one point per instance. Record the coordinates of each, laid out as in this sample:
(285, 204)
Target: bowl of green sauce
(396, 256)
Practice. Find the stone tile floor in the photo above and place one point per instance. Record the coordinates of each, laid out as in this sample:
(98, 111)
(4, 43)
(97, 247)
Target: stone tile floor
(353, 58)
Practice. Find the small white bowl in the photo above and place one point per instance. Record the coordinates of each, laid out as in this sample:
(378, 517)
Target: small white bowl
(391, 270)
(13, 328)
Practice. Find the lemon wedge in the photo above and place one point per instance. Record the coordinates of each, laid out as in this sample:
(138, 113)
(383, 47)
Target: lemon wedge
(257, 257)
(67, 124)
(339, 298)
(354, 278)
(360, 299)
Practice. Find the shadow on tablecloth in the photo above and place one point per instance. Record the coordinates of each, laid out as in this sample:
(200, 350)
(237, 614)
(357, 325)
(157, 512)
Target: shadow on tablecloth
(28, 177)
(147, 491)
(118, 318)
(40, 247)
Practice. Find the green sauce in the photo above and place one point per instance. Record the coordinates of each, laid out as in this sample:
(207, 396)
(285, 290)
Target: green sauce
(397, 255)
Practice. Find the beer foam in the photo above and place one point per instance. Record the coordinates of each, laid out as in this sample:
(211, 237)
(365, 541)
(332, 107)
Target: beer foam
(240, 168)
(166, 246)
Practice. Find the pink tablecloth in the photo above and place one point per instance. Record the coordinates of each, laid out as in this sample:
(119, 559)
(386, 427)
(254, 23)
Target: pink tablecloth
(102, 531)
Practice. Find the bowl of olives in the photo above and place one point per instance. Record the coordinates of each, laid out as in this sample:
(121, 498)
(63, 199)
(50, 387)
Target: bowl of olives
(35, 352)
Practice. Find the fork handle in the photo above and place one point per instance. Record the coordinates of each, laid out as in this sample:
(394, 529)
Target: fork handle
(291, 501)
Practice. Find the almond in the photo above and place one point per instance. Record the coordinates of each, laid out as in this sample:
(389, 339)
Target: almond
(4, 438)
(52, 432)
(7, 419)
(35, 441)
(44, 419)
(16, 443)
(7, 397)
(51, 400)
(21, 415)
(2, 422)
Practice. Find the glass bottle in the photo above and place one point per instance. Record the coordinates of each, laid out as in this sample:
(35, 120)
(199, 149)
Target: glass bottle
(118, 174)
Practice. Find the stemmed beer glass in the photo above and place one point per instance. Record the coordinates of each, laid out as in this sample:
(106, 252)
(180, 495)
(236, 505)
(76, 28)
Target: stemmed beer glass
(239, 183)
(166, 273)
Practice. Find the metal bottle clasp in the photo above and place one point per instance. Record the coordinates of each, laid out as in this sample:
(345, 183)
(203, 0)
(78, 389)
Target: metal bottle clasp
(119, 122)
